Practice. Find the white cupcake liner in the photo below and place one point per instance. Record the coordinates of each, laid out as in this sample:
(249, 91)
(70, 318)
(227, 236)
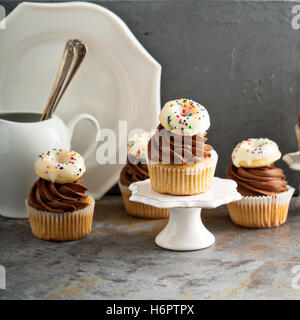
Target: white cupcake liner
(183, 179)
(61, 226)
(278, 199)
(124, 189)
(261, 211)
(140, 210)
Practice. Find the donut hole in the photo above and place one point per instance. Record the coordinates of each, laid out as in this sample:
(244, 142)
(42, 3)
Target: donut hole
(185, 111)
(188, 109)
(63, 157)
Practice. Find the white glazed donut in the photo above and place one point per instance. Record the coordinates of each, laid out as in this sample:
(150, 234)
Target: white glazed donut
(137, 144)
(254, 153)
(60, 166)
(185, 117)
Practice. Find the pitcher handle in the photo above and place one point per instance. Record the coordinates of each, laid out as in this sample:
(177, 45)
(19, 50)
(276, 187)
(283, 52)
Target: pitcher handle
(72, 124)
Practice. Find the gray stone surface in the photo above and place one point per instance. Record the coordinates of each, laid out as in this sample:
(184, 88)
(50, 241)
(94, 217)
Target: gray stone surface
(238, 58)
(241, 60)
(119, 260)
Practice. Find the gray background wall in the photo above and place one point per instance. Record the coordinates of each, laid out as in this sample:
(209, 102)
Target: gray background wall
(240, 59)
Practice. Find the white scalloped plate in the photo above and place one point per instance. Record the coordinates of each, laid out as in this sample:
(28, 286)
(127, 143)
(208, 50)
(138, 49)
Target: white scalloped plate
(222, 191)
(118, 79)
(292, 160)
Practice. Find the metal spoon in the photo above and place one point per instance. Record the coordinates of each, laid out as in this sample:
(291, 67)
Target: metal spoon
(73, 55)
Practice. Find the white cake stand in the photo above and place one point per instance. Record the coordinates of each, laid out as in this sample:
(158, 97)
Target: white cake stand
(292, 160)
(185, 230)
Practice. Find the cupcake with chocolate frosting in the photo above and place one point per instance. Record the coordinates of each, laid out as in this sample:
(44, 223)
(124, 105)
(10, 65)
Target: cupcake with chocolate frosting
(180, 161)
(136, 169)
(58, 207)
(265, 191)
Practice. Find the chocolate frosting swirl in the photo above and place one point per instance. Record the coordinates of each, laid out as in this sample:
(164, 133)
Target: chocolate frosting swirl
(176, 149)
(54, 197)
(264, 181)
(133, 171)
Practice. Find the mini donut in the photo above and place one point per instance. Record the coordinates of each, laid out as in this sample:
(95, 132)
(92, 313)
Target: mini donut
(185, 117)
(137, 144)
(60, 166)
(254, 153)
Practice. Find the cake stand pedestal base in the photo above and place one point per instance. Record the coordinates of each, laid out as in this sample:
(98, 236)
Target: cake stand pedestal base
(185, 231)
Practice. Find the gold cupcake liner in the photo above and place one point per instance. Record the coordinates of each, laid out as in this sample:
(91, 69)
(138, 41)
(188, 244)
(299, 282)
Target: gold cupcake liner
(297, 130)
(298, 140)
(261, 212)
(61, 226)
(141, 210)
(182, 179)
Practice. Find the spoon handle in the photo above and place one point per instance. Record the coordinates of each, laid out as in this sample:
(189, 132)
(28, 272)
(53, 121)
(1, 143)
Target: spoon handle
(80, 50)
(73, 55)
(61, 75)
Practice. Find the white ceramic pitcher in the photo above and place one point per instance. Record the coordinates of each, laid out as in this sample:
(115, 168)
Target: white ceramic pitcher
(22, 138)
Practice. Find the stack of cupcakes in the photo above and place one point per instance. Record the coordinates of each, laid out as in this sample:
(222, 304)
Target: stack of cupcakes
(136, 169)
(58, 207)
(266, 195)
(179, 161)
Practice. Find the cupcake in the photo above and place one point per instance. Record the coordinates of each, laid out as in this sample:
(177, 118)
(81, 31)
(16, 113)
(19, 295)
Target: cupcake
(266, 194)
(136, 169)
(179, 161)
(58, 207)
(297, 129)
